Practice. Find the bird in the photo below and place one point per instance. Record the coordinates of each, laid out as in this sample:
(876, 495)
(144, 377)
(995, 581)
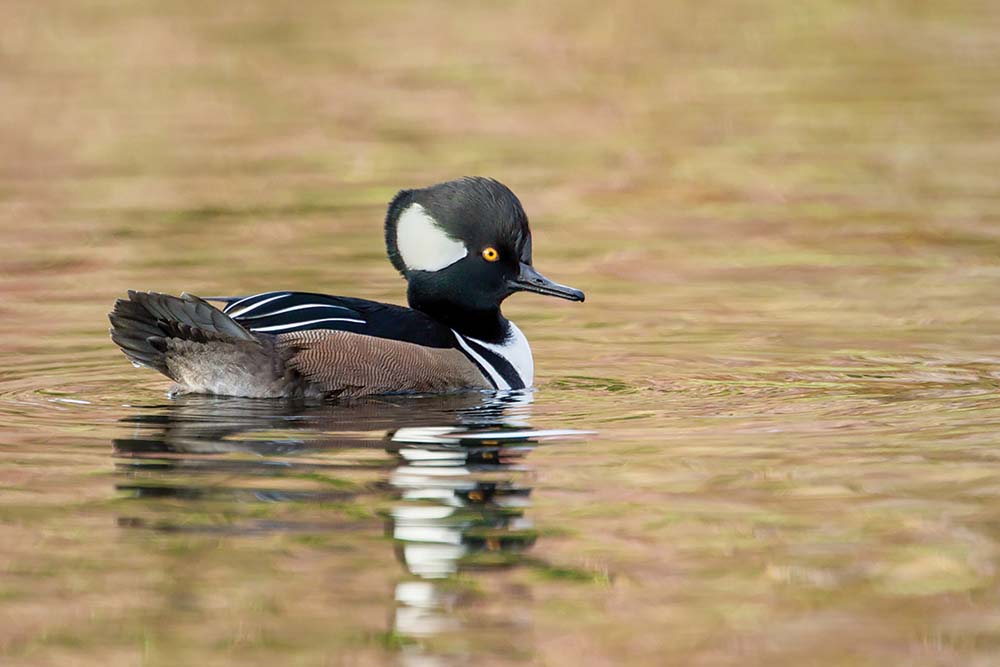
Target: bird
(463, 247)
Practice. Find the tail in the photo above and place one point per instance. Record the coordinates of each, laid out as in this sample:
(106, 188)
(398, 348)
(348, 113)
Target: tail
(142, 325)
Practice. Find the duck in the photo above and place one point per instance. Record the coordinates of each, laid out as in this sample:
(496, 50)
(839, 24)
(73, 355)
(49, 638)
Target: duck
(463, 247)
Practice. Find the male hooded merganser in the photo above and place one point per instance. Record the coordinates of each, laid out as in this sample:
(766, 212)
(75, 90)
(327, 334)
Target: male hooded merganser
(463, 247)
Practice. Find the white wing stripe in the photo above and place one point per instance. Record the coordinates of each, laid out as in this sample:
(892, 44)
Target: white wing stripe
(279, 327)
(495, 377)
(233, 304)
(291, 308)
(244, 311)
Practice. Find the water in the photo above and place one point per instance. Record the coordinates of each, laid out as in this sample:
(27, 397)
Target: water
(769, 437)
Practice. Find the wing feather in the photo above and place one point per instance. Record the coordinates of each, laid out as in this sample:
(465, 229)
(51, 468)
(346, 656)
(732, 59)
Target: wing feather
(285, 312)
(348, 364)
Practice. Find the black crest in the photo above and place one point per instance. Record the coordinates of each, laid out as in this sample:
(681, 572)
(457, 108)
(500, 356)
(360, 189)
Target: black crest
(478, 211)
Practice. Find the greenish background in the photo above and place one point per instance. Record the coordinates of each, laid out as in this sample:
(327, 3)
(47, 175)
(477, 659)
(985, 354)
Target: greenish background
(786, 217)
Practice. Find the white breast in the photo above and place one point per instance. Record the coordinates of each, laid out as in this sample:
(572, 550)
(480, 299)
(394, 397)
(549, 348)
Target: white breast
(514, 349)
(517, 351)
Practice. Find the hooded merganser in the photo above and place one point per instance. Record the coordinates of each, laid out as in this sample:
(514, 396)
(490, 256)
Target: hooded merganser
(463, 247)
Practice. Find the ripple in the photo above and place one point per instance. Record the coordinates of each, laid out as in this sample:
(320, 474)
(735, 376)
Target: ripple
(446, 478)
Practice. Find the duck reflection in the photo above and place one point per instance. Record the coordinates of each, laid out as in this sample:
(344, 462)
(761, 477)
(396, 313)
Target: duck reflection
(453, 509)
(461, 507)
(452, 490)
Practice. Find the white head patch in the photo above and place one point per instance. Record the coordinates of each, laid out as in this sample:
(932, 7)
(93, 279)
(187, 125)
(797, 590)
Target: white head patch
(422, 244)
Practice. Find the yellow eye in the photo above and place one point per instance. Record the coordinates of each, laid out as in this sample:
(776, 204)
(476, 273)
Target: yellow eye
(490, 254)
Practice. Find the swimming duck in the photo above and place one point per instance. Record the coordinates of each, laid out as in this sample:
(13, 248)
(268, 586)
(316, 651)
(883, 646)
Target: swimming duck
(463, 247)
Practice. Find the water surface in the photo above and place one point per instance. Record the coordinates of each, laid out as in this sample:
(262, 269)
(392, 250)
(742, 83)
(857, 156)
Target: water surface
(769, 437)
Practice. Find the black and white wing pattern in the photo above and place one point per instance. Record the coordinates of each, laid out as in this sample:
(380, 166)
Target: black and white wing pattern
(286, 312)
(505, 366)
(283, 312)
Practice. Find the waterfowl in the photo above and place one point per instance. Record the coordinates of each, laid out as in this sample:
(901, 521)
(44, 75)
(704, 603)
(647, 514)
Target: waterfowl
(463, 247)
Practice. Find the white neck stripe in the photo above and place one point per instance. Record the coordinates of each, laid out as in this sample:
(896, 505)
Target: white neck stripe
(516, 351)
(495, 378)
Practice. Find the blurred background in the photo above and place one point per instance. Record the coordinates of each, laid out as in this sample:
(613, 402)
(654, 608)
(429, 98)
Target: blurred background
(786, 217)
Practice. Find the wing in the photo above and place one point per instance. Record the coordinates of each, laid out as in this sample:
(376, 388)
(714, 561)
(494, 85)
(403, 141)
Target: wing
(282, 312)
(346, 364)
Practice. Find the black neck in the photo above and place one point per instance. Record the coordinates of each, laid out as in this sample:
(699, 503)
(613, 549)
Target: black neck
(487, 325)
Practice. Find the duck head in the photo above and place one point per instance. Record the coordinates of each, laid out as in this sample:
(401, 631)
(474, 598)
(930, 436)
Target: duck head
(464, 246)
